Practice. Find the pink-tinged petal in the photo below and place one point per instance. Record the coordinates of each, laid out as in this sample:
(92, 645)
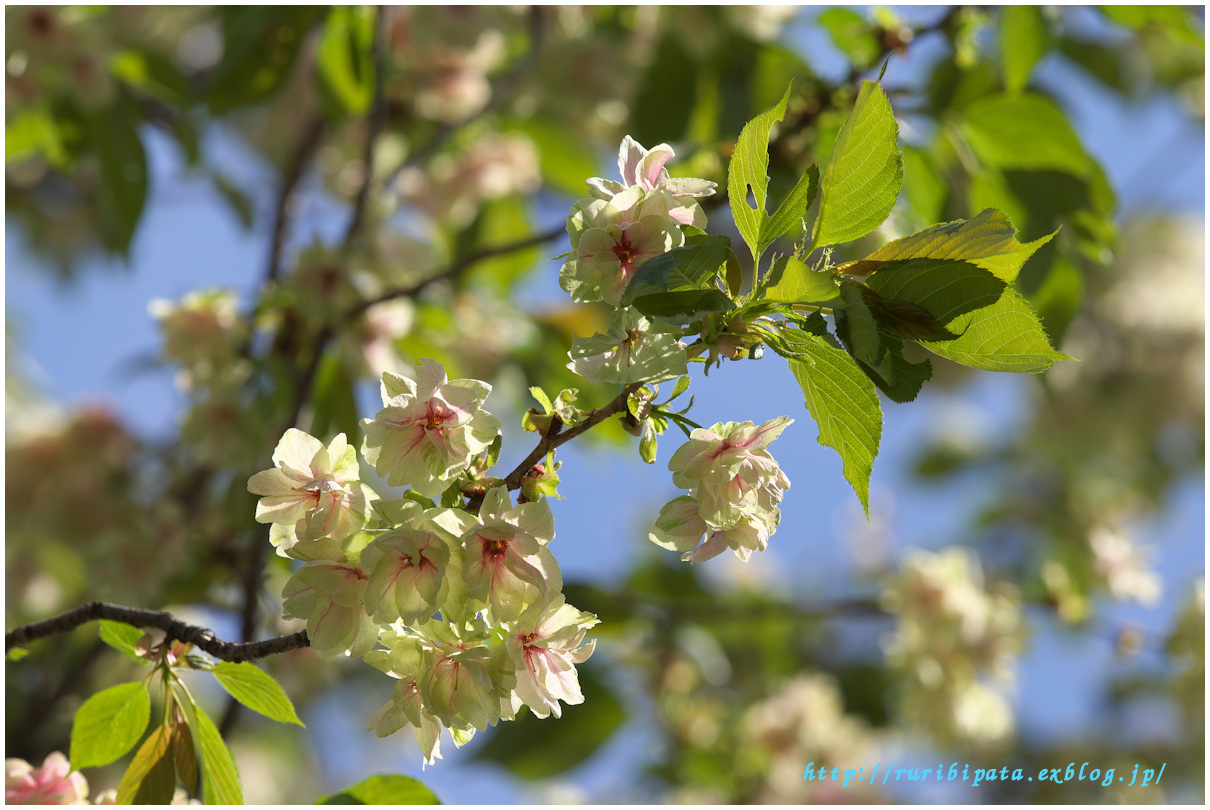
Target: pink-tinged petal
(652, 164)
(688, 187)
(715, 545)
(629, 155)
(430, 376)
(296, 453)
(604, 189)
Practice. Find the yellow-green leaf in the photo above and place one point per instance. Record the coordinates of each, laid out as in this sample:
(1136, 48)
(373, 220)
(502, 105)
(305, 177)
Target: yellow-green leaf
(153, 750)
(257, 690)
(864, 174)
(987, 240)
(749, 171)
(109, 724)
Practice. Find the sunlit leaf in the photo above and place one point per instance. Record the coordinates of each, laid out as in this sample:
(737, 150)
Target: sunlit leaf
(345, 61)
(256, 689)
(748, 173)
(987, 240)
(383, 789)
(154, 750)
(108, 725)
(122, 637)
(1024, 40)
(864, 174)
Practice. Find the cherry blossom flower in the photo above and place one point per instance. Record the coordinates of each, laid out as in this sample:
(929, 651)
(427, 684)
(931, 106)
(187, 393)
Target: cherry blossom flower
(429, 429)
(632, 350)
(545, 645)
(507, 563)
(644, 169)
(612, 238)
(730, 472)
(407, 575)
(314, 491)
(331, 596)
(53, 783)
(680, 528)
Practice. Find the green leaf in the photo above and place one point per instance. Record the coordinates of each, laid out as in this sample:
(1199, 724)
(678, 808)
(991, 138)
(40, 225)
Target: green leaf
(345, 61)
(260, 46)
(997, 330)
(897, 377)
(32, 132)
(1059, 298)
(792, 210)
(152, 74)
(856, 326)
(383, 789)
(123, 184)
(16, 654)
(220, 778)
(500, 222)
(1028, 131)
(109, 724)
(987, 240)
(852, 35)
(159, 784)
(154, 750)
(748, 171)
(684, 306)
(536, 749)
(256, 689)
(924, 186)
(122, 637)
(793, 282)
(864, 174)
(1024, 40)
(842, 400)
(693, 267)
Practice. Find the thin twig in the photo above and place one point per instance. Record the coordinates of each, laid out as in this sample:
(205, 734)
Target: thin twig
(552, 439)
(283, 211)
(173, 628)
(455, 269)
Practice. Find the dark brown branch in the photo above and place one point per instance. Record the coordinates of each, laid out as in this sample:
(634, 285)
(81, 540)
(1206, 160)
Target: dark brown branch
(554, 439)
(173, 628)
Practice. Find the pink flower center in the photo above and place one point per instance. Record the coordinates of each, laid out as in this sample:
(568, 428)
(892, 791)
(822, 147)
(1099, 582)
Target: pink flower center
(624, 251)
(494, 549)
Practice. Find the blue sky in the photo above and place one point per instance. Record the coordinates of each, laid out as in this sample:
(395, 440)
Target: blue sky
(80, 340)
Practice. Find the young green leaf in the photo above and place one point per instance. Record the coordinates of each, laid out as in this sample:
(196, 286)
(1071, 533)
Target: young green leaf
(345, 57)
(864, 174)
(987, 240)
(856, 326)
(897, 377)
(749, 171)
(154, 750)
(220, 778)
(160, 782)
(383, 789)
(842, 400)
(1024, 40)
(687, 268)
(683, 306)
(542, 398)
(256, 689)
(109, 724)
(1028, 131)
(122, 637)
(792, 210)
(995, 327)
(794, 282)
(1005, 336)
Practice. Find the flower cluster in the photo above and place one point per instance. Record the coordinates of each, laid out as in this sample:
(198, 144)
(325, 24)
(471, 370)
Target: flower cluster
(736, 486)
(952, 629)
(624, 224)
(464, 607)
(54, 783)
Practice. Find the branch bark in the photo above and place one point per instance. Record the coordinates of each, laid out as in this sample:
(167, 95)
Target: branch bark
(173, 628)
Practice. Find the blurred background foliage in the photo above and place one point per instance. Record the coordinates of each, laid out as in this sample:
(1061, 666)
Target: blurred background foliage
(446, 143)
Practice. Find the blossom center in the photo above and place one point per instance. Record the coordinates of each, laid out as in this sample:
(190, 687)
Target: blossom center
(624, 251)
(494, 549)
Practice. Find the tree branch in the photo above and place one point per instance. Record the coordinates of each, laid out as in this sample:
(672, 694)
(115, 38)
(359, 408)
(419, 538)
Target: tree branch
(552, 439)
(286, 196)
(173, 628)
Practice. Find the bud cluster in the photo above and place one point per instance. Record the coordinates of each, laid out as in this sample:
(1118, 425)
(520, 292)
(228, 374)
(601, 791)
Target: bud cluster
(465, 608)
